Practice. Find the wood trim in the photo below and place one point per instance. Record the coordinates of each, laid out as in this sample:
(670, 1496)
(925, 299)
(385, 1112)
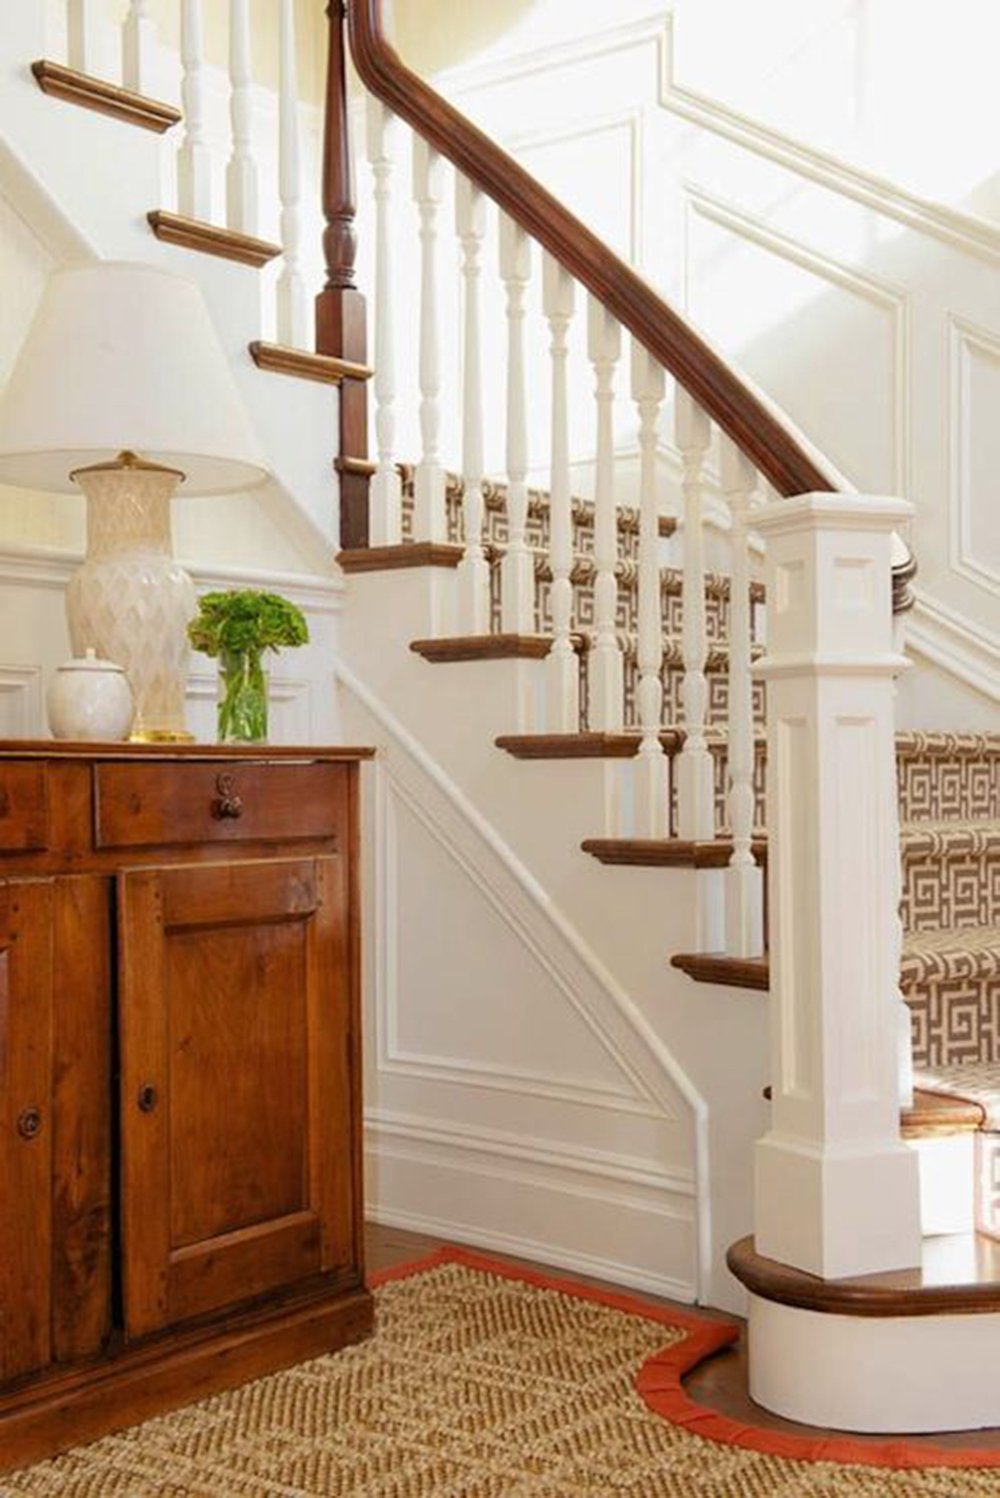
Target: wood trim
(487, 648)
(66, 749)
(211, 239)
(399, 558)
(670, 852)
(904, 1292)
(278, 358)
(715, 967)
(104, 98)
(751, 423)
(935, 1115)
(580, 745)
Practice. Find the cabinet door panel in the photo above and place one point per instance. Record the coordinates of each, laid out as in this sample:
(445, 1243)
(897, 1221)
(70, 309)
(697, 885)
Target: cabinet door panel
(236, 1093)
(26, 971)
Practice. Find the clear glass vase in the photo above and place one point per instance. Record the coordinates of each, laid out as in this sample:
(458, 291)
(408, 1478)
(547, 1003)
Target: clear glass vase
(242, 709)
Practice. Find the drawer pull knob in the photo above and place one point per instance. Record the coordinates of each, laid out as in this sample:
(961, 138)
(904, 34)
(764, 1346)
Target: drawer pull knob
(29, 1123)
(229, 804)
(148, 1098)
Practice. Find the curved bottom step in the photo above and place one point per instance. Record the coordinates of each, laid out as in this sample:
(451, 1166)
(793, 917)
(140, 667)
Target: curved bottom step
(913, 1351)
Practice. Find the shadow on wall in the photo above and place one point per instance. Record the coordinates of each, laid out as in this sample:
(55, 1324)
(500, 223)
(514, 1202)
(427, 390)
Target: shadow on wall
(459, 31)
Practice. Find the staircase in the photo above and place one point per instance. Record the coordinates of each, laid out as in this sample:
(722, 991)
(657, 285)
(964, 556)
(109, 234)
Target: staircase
(574, 703)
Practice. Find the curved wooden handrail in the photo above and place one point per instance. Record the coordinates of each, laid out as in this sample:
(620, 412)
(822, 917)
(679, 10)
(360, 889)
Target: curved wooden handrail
(747, 419)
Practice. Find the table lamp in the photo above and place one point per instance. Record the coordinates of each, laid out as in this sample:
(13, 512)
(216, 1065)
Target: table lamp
(122, 390)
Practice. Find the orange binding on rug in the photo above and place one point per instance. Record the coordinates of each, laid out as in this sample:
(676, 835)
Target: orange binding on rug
(659, 1381)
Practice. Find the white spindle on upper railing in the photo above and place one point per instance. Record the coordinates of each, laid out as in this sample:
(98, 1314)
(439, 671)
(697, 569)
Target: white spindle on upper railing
(517, 578)
(695, 774)
(194, 160)
(139, 48)
(562, 671)
(606, 704)
(743, 884)
(430, 520)
(82, 21)
(385, 525)
(652, 765)
(241, 173)
(294, 322)
(473, 570)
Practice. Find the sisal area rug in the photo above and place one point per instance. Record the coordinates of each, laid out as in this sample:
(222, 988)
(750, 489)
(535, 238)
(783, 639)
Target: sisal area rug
(484, 1381)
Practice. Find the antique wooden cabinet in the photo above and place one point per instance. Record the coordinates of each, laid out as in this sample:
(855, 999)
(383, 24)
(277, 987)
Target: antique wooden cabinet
(180, 1180)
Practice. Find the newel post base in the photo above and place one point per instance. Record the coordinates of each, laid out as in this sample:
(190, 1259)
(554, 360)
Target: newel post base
(837, 1191)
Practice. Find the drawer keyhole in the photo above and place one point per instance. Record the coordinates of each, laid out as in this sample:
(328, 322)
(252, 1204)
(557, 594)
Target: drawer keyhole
(148, 1098)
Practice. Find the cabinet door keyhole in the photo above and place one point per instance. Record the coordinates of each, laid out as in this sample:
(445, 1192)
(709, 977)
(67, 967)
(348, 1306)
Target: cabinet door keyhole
(29, 1123)
(148, 1098)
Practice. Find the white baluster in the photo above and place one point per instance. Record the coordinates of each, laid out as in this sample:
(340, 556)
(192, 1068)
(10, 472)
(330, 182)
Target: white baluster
(473, 571)
(695, 788)
(430, 520)
(139, 48)
(294, 321)
(607, 690)
(194, 160)
(744, 899)
(652, 765)
(385, 525)
(241, 173)
(82, 22)
(562, 670)
(517, 580)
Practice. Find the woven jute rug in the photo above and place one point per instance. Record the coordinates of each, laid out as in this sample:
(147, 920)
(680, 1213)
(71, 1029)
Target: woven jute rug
(487, 1382)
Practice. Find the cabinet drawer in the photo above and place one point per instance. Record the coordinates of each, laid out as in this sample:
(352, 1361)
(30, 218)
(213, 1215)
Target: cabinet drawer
(24, 810)
(160, 804)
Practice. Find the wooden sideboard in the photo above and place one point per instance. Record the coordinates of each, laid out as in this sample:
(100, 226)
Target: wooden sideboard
(180, 1073)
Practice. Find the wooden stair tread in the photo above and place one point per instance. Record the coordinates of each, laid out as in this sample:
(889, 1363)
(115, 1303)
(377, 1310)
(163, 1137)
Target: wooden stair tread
(970, 1084)
(211, 239)
(280, 358)
(595, 745)
(959, 1274)
(486, 648)
(399, 558)
(667, 852)
(60, 82)
(716, 967)
(936, 1114)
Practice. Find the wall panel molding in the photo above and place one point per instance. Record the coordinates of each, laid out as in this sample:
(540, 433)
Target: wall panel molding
(967, 342)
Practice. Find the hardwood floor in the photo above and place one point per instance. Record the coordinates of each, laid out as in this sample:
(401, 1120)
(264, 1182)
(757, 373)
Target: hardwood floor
(720, 1382)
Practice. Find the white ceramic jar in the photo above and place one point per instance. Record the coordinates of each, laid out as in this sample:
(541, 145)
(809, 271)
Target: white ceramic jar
(90, 700)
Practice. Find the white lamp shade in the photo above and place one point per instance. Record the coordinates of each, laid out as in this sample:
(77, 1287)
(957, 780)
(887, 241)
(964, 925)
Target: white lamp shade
(122, 355)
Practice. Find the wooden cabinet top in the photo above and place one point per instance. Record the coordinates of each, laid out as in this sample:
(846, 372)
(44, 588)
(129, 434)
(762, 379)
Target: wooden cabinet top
(179, 753)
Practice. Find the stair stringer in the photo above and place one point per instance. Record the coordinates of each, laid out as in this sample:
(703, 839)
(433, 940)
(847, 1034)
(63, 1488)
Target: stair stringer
(84, 183)
(595, 1157)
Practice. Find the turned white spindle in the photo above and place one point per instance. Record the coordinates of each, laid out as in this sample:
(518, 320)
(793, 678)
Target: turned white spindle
(241, 173)
(139, 48)
(562, 671)
(194, 160)
(743, 881)
(430, 520)
(82, 22)
(695, 774)
(294, 319)
(517, 577)
(385, 523)
(652, 765)
(606, 701)
(473, 571)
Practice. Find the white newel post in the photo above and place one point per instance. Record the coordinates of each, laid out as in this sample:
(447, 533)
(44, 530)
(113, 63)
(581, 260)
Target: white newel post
(652, 813)
(517, 576)
(607, 691)
(695, 771)
(473, 572)
(138, 47)
(194, 160)
(562, 671)
(241, 173)
(386, 519)
(743, 879)
(836, 1189)
(430, 518)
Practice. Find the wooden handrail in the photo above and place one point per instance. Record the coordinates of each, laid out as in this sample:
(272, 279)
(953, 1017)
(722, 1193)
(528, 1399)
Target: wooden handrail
(751, 424)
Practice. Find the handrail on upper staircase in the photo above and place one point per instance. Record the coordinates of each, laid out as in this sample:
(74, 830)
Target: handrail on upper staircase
(776, 451)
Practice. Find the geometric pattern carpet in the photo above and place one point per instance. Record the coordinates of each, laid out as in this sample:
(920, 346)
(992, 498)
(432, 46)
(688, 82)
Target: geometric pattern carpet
(485, 1381)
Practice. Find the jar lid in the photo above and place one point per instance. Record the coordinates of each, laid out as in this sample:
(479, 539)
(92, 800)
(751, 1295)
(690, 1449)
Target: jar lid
(91, 662)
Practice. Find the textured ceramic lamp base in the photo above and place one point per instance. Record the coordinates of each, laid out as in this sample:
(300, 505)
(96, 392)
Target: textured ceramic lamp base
(130, 601)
